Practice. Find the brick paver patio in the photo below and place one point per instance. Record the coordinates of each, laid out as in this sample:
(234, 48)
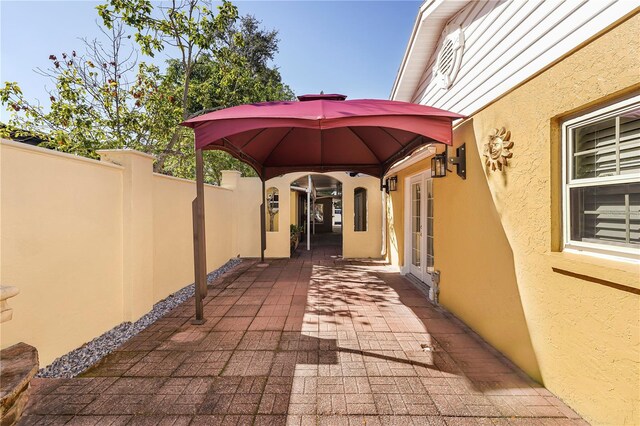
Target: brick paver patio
(308, 340)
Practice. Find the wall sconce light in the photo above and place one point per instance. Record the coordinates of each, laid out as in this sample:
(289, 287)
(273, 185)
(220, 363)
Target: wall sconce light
(439, 163)
(390, 184)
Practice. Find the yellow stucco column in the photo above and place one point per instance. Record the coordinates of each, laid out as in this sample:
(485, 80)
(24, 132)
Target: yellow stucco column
(137, 230)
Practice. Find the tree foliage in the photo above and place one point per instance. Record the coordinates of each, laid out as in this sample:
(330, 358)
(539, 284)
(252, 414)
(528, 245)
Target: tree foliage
(105, 98)
(91, 104)
(189, 26)
(238, 75)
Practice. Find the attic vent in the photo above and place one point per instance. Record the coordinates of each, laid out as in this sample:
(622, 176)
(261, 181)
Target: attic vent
(449, 58)
(446, 58)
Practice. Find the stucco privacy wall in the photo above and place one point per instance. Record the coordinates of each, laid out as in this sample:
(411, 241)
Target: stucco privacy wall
(173, 231)
(61, 245)
(571, 322)
(91, 244)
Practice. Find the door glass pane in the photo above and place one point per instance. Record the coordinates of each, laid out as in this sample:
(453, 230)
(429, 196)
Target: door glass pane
(416, 234)
(430, 229)
(429, 263)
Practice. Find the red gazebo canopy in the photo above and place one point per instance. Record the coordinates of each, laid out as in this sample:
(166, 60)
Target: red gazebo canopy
(322, 133)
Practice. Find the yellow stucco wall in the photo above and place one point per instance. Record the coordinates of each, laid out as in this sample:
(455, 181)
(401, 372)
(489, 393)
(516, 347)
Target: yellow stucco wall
(570, 321)
(368, 243)
(173, 232)
(278, 242)
(61, 238)
(91, 244)
(355, 244)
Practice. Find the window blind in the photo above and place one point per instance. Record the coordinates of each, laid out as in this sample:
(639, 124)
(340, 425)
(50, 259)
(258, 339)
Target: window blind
(607, 214)
(610, 147)
(629, 145)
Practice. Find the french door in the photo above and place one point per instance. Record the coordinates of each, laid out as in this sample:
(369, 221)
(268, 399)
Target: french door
(419, 232)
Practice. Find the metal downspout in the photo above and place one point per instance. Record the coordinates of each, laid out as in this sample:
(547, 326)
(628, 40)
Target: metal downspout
(263, 225)
(383, 252)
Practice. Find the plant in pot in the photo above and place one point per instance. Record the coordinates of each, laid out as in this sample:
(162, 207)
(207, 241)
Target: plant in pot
(295, 237)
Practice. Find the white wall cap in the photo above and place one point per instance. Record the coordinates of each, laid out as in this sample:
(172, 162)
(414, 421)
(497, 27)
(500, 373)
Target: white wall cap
(106, 152)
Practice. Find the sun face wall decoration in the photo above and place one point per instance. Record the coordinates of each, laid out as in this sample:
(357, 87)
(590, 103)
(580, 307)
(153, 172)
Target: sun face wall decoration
(496, 150)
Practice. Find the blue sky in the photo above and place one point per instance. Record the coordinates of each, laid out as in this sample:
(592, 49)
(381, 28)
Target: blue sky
(349, 47)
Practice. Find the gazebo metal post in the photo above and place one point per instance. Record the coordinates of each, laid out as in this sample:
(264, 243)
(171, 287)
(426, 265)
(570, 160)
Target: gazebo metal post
(263, 228)
(199, 242)
(309, 213)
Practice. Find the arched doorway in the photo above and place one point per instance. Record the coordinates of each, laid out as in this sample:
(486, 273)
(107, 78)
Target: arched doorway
(317, 210)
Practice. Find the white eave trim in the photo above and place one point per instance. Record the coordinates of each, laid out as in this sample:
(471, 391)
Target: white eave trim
(418, 155)
(422, 44)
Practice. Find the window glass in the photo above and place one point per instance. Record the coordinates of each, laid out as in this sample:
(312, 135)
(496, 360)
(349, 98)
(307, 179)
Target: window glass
(630, 143)
(607, 214)
(360, 209)
(602, 191)
(273, 207)
(595, 150)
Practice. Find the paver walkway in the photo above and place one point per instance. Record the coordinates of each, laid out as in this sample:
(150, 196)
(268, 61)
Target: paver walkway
(308, 340)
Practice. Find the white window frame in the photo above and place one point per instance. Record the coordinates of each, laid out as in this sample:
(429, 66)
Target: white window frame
(569, 182)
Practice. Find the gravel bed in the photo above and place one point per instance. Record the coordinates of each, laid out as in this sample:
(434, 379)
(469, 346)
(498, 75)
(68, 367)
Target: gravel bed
(78, 360)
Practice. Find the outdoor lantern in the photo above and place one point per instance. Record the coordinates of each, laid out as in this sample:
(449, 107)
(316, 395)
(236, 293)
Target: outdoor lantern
(439, 165)
(392, 184)
(389, 184)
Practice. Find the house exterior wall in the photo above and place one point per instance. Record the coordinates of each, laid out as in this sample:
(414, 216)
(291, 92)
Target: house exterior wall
(505, 42)
(569, 321)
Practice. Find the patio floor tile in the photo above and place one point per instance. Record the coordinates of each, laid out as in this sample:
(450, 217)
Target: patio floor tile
(311, 340)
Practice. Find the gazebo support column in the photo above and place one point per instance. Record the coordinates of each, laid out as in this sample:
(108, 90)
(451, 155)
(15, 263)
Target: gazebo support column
(199, 242)
(309, 213)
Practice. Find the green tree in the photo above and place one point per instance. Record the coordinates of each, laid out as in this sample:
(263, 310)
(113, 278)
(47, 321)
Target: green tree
(105, 99)
(190, 26)
(240, 74)
(91, 104)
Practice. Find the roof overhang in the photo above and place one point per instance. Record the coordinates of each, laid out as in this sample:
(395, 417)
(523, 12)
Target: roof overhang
(432, 18)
